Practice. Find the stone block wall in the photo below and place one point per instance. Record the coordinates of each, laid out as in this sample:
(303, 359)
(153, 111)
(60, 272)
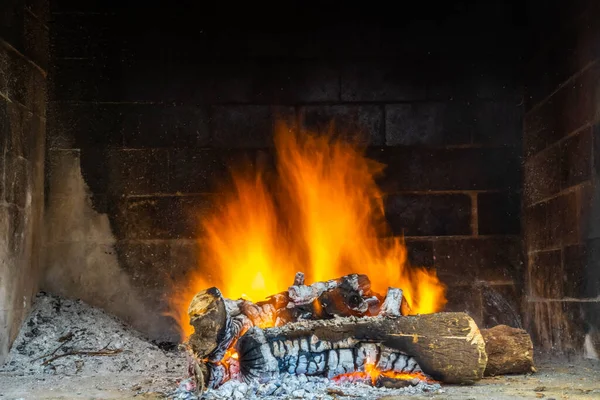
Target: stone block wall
(23, 66)
(154, 116)
(560, 180)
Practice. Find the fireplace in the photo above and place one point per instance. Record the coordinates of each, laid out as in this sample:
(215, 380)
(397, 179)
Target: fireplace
(121, 123)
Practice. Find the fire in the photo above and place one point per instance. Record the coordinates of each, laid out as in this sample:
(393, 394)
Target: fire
(322, 213)
(371, 373)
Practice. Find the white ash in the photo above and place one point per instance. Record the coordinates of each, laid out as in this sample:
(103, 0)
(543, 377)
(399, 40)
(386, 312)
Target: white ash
(302, 387)
(58, 326)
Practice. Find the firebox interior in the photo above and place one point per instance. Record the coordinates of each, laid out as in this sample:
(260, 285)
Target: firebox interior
(140, 163)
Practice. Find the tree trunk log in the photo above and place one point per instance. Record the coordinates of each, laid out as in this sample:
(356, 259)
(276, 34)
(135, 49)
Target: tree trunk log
(509, 350)
(446, 346)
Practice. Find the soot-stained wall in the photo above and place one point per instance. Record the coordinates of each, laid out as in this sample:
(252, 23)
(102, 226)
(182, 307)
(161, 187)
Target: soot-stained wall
(150, 104)
(23, 63)
(561, 196)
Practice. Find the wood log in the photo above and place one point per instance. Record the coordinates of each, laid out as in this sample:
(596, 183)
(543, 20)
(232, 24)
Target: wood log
(446, 346)
(218, 322)
(509, 350)
(215, 329)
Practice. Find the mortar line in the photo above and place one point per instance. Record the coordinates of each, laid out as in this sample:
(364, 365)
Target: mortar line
(27, 59)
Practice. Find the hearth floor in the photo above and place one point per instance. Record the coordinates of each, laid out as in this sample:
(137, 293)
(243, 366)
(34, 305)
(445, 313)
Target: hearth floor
(572, 380)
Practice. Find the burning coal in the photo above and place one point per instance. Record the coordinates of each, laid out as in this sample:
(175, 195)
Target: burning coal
(321, 214)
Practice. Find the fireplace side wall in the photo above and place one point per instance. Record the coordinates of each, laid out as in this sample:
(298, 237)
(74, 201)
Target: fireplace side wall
(23, 62)
(153, 136)
(561, 202)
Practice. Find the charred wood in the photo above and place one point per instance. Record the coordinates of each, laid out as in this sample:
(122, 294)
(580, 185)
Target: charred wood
(446, 346)
(392, 303)
(509, 350)
(219, 322)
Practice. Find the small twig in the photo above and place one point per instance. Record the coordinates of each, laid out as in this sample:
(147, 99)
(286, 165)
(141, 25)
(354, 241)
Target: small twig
(110, 352)
(50, 354)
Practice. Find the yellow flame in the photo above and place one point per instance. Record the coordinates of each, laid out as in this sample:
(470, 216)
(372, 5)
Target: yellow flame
(321, 213)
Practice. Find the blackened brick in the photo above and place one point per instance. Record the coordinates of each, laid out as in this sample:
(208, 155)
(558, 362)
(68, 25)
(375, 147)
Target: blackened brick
(168, 217)
(567, 110)
(82, 80)
(596, 148)
(17, 181)
(382, 81)
(164, 126)
(553, 223)
(363, 120)
(573, 49)
(558, 326)
(429, 215)
(501, 306)
(422, 124)
(85, 35)
(542, 175)
(498, 122)
(39, 8)
(418, 169)
(463, 78)
(185, 259)
(95, 170)
(36, 40)
(16, 120)
(11, 25)
(545, 272)
(22, 82)
(498, 213)
(297, 81)
(85, 125)
(17, 231)
(139, 172)
(465, 299)
(244, 126)
(461, 261)
(453, 122)
(148, 264)
(576, 162)
(420, 252)
(575, 261)
(197, 170)
(591, 288)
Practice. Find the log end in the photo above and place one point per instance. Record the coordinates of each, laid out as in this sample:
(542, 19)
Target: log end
(208, 316)
(510, 351)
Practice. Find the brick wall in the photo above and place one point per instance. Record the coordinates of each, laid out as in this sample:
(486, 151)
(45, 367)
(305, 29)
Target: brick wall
(23, 61)
(560, 180)
(154, 119)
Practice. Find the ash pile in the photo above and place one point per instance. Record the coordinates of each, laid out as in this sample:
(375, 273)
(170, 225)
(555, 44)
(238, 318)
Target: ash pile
(288, 386)
(69, 337)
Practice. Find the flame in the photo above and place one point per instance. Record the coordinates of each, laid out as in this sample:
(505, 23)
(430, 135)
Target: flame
(372, 373)
(322, 214)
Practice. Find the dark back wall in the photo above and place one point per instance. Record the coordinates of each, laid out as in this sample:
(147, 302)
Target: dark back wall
(149, 104)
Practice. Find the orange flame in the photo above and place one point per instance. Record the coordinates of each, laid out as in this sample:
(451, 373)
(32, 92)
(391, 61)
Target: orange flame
(372, 373)
(323, 215)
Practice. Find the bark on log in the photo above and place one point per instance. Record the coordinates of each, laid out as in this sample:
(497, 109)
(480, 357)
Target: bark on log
(509, 350)
(446, 346)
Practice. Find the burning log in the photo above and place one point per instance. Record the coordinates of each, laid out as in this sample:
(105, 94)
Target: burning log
(509, 350)
(446, 346)
(218, 322)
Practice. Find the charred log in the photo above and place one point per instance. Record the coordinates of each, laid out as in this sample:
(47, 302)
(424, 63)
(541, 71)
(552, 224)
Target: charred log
(219, 322)
(446, 346)
(509, 350)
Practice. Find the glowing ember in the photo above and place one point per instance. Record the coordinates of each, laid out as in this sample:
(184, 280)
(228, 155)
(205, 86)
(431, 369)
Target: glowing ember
(322, 214)
(372, 374)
